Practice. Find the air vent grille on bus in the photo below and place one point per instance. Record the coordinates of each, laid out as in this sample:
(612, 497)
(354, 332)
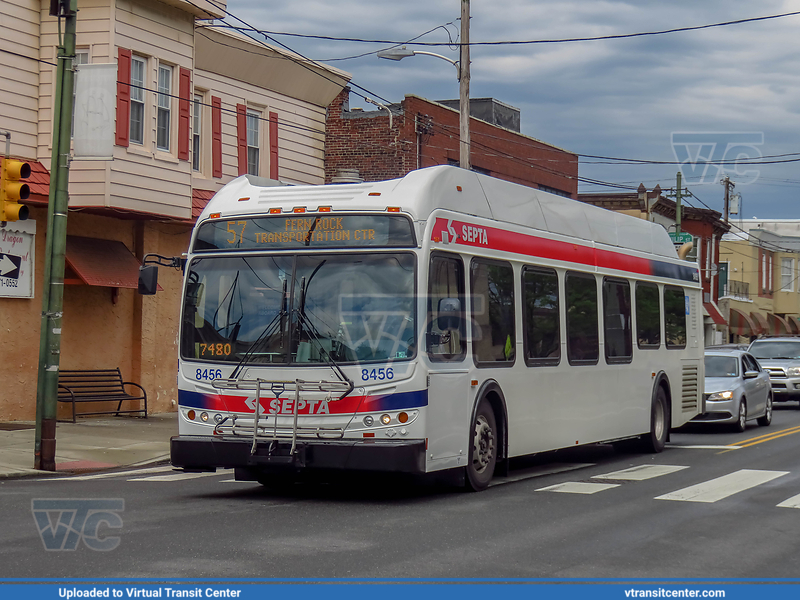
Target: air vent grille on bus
(689, 388)
(301, 194)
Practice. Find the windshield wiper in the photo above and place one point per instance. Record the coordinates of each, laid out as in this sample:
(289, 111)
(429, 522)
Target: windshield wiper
(315, 336)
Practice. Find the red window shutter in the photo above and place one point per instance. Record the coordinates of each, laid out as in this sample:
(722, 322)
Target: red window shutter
(216, 136)
(184, 113)
(123, 98)
(241, 135)
(273, 145)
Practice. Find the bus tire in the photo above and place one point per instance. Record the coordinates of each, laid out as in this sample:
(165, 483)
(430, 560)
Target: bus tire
(483, 448)
(659, 423)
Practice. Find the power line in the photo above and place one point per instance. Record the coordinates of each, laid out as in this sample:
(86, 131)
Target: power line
(522, 42)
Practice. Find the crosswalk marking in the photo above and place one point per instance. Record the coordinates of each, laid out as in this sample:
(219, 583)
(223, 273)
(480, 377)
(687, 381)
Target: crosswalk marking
(538, 471)
(722, 487)
(161, 469)
(793, 502)
(174, 477)
(641, 472)
(578, 487)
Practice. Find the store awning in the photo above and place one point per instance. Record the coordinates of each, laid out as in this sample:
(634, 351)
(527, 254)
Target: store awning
(778, 325)
(104, 263)
(794, 323)
(741, 324)
(710, 310)
(762, 326)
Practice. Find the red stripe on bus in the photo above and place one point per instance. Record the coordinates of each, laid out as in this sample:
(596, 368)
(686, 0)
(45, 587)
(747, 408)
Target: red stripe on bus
(479, 236)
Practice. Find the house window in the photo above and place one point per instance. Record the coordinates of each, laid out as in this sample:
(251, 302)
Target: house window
(787, 275)
(81, 58)
(164, 103)
(197, 112)
(138, 66)
(253, 122)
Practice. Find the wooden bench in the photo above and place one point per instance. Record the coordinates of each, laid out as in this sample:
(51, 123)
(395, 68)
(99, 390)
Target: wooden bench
(99, 385)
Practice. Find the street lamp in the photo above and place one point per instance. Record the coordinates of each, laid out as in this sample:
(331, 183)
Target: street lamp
(462, 70)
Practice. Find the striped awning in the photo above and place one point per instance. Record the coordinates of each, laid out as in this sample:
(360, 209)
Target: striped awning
(740, 323)
(778, 325)
(794, 323)
(762, 326)
(710, 310)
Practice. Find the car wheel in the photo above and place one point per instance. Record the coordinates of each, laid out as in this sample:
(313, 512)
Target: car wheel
(483, 456)
(659, 423)
(741, 421)
(767, 418)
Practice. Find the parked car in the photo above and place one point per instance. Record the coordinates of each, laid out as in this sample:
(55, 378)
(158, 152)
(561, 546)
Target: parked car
(728, 347)
(780, 357)
(737, 389)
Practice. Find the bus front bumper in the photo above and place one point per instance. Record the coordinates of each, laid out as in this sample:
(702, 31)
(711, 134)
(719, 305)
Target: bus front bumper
(204, 453)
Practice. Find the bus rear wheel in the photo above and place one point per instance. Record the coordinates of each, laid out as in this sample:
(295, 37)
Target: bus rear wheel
(659, 423)
(483, 454)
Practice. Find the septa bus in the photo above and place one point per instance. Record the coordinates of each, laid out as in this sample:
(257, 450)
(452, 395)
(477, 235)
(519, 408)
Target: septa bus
(446, 321)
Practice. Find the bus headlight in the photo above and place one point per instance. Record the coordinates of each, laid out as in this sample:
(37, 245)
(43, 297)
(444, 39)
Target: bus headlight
(386, 419)
(217, 418)
(368, 420)
(721, 396)
(204, 417)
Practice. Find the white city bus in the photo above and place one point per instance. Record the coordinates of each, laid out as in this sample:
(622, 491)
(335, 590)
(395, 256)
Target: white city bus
(443, 321)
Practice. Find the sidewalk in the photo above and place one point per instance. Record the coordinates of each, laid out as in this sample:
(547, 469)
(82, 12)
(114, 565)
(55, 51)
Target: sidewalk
(90, 444)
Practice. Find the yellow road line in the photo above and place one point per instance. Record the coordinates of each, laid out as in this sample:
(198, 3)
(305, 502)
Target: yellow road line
(763, 438)
(767, 435)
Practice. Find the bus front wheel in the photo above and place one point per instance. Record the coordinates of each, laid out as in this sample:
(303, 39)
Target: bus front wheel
(483, 448)
(659, 423)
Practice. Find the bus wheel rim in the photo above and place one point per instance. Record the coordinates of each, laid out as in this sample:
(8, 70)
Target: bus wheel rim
(483, 444)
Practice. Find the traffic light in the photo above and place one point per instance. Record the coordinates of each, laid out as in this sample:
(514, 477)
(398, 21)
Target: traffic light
(12, 190)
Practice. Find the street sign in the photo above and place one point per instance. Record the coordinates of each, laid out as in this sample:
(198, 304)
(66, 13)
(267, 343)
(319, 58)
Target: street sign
(680, 238)
(17, 259)
(9, 266)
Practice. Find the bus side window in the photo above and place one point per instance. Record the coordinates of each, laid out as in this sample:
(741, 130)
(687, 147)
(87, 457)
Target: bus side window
(493, 328)
(674, 317)
(583, 342)
(648, 315)
(617, 321)
(446, 282)
(540, 316)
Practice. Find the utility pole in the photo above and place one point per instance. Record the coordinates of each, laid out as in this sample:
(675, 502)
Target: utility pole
(463, 78)
(678, 206)
(726, 181)
(57, 206)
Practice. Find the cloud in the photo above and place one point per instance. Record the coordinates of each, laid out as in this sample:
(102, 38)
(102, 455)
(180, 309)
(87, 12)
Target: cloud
(619, 97)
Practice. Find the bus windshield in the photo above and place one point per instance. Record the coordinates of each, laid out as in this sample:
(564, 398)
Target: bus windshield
(300, 309)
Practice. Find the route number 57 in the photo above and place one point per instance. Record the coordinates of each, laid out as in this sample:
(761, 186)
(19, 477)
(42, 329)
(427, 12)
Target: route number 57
(232, 225)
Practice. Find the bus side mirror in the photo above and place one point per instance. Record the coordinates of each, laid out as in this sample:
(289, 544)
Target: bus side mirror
(148, 280)
(448, 315)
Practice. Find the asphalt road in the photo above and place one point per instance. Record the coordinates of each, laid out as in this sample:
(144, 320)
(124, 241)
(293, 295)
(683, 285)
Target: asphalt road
(689, 512)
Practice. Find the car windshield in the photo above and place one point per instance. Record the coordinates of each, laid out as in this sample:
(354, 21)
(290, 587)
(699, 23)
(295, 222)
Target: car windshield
(775, 349)
(300, 309)
(722, 366)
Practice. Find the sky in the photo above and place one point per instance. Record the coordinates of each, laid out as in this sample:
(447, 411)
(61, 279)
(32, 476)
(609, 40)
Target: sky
(724, 92)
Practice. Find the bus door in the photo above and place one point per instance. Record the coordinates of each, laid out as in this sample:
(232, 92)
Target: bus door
(448, 374)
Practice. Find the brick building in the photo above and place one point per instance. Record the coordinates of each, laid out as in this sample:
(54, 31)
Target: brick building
(416, 133)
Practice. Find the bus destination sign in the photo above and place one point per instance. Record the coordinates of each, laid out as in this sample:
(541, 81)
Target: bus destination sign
(305, 231)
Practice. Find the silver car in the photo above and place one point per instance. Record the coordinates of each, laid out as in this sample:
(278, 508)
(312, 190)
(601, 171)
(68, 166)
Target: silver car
(737, 389)
(780, 357)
